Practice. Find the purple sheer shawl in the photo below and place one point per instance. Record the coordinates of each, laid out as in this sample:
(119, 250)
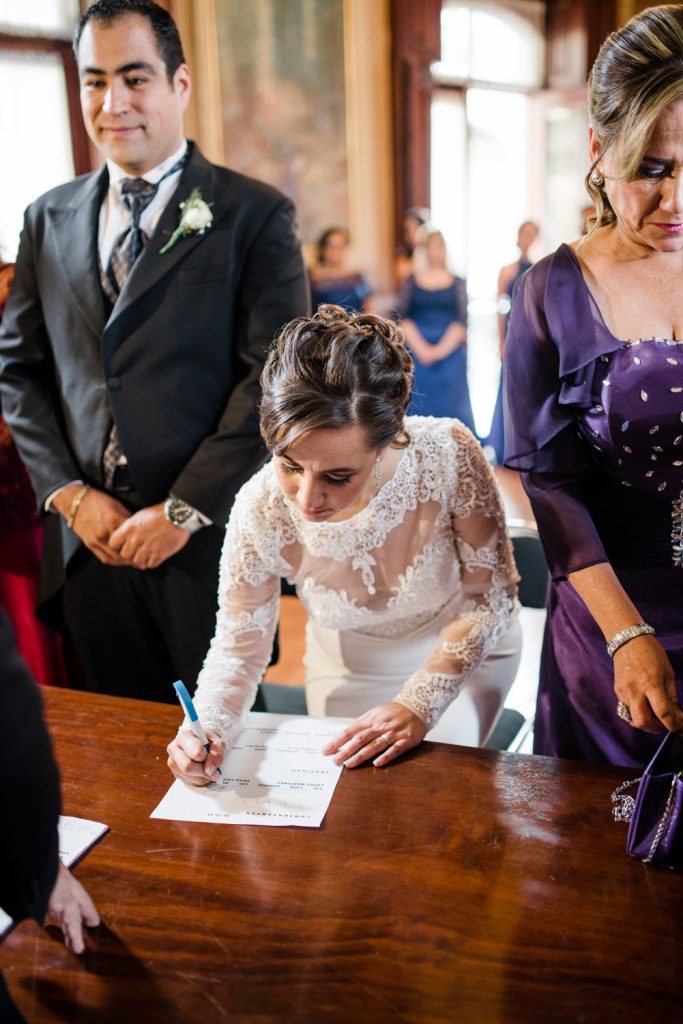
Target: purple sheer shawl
(555, 336)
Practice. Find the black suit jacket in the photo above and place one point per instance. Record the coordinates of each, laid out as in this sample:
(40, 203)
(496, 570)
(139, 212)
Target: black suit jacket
(29, 846)
(30, 791)
(177, 360)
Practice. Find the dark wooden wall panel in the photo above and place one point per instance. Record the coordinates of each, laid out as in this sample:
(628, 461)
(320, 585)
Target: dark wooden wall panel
(575, 32)
(416, 41)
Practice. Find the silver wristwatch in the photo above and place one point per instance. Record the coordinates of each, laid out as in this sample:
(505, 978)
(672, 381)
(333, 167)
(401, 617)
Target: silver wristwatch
(181, 514)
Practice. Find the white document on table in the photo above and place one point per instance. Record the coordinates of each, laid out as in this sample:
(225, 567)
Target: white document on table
(76, 835)
(274, 774)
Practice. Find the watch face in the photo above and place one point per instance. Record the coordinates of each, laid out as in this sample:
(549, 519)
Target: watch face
(178, 511)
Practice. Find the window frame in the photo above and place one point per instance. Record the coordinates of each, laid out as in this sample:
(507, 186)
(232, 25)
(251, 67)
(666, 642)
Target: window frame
(80, 143)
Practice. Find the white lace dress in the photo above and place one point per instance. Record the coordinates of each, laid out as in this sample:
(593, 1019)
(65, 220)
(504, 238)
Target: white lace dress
(406, 599)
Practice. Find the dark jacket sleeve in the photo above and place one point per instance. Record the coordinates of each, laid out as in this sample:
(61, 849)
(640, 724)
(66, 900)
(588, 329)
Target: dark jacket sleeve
(30, 802)
(30, 395)
(273, 291)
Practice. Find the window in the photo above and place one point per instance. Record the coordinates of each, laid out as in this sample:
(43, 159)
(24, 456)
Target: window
(39, 17)
(43, 139)
(485, 158)
(37, 122)
(493, 42)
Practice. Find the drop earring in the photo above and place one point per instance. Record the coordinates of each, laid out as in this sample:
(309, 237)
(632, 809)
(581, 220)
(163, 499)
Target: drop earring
(597, 179)
(378, 471)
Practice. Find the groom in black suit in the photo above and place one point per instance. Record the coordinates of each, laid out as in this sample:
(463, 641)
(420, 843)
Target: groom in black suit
(144, 301)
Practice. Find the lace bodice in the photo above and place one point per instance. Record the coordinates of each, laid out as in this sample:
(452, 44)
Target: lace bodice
(432, 540)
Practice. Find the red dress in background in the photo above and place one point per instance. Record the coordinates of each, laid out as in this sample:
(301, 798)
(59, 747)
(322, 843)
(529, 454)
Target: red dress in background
(21, 536)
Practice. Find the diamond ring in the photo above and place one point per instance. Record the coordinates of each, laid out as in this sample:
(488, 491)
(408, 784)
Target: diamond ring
(387, 739)
(624, 712)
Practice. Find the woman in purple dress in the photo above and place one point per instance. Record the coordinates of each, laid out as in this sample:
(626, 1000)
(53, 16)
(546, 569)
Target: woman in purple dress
(594, 372)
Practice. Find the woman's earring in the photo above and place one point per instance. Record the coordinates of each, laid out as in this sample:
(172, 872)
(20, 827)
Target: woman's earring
(378, 471)
(597, 179)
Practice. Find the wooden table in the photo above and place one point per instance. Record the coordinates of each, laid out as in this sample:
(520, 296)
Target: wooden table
(459, 885)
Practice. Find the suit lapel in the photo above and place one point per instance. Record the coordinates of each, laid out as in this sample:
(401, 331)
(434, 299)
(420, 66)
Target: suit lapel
(70, 226)
(152, 266)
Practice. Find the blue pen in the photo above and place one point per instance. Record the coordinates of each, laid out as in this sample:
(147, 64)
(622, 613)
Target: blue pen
(191, 712)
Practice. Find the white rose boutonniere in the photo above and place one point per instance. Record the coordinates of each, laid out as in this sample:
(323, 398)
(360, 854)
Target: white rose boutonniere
(195, 219)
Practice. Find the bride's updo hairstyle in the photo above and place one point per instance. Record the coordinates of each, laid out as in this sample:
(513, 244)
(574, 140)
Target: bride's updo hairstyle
(637, 74)
(336, 369)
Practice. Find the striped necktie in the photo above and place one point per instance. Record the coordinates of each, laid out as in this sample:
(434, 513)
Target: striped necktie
(136, 195)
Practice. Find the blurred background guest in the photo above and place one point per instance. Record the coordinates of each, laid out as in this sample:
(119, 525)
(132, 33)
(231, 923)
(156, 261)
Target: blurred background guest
(333, 280)
(21, 535)
(433, 308)
(414, 232)
(594, 388)
(494, 444)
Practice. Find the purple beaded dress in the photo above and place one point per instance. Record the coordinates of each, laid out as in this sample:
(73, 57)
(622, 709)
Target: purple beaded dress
(595, 424)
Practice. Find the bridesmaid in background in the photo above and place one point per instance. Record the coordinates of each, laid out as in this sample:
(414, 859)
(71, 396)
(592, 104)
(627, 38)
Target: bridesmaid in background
(414, 231)
(433, 308)
(494, 444)
(20, 548)
(333, 281)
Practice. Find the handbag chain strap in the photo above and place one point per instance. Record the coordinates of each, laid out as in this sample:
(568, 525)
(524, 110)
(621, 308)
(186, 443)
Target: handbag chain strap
(663, 821)
(624, 805)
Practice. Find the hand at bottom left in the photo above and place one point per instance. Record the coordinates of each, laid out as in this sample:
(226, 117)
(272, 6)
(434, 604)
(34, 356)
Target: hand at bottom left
(71, 905)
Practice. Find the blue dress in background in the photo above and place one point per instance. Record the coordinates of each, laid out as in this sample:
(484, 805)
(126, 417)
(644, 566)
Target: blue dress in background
(348, 291)
(440, 389)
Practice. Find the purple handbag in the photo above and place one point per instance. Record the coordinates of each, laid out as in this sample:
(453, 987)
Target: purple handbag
(655, 814)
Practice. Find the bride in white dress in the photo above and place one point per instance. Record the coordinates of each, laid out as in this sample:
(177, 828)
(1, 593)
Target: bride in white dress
(391, 530)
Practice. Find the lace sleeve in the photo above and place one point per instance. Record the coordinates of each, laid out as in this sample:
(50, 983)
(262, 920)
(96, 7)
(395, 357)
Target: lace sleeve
(248, 606)
(489, 580)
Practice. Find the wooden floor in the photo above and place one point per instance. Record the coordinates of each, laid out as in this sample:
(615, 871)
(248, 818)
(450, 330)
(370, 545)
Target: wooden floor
(289, 670)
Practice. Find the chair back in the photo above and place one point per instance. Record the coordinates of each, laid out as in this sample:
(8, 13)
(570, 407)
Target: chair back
(531, 564)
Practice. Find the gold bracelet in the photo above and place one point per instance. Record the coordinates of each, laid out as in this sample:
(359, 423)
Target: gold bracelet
(76, 504)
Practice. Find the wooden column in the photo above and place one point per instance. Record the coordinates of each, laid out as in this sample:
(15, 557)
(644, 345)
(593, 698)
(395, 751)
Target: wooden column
(196, 21)
(576, 29)
(416, 32)
(367, 59)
